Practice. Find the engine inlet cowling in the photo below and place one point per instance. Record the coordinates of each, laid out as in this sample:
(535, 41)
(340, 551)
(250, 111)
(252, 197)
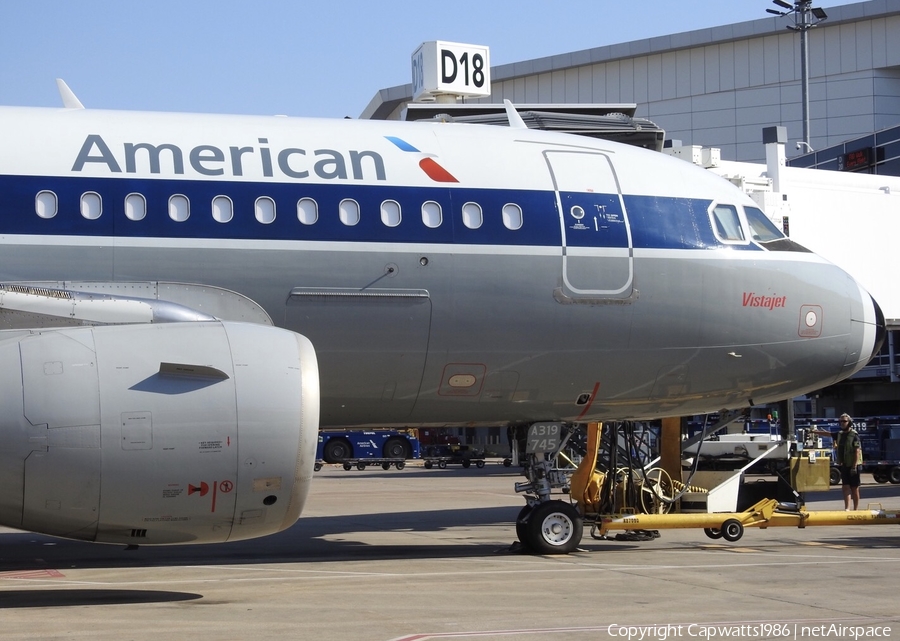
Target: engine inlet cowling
(154, 434)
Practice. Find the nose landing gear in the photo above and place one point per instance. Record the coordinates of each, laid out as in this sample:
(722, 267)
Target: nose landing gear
(546, 525)
(554, 527)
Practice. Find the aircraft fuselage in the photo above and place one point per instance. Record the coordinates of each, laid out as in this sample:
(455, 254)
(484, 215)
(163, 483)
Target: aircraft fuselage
(445, 274)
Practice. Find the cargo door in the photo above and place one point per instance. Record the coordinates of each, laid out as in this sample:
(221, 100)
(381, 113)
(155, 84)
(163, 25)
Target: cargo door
(372, 341)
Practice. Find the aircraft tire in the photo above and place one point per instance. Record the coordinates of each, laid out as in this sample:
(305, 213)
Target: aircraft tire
(554, 527)
(522, 524)
(732, 530)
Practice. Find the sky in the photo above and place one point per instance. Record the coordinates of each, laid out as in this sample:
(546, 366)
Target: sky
(297, 57)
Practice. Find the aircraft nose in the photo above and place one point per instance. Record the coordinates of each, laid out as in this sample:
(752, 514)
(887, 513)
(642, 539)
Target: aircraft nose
(880, 329)
(867, 324)
(868, 331)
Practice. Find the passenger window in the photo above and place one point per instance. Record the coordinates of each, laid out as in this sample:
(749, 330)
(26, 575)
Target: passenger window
(431, 214)
(349, 212)
(512, 216)
(472, 216)
(307, 211)
(265, 210)
(45, 204)
(222, 209)
(135, 207)
(179, 208)
(91, 205)
(390, 213)
(727, 223)
(761, 228)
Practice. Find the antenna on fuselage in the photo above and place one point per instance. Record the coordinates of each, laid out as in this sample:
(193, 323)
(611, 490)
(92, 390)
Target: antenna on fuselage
(515, 120)
(70, 100)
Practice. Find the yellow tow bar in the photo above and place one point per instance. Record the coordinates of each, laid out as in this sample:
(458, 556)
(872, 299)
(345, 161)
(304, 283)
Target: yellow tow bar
(730, 525)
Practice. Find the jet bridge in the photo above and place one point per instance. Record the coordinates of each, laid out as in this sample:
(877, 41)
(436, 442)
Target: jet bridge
(615, 122)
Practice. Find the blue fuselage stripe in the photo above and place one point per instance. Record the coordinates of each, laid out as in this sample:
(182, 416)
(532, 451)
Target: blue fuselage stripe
(655, 222)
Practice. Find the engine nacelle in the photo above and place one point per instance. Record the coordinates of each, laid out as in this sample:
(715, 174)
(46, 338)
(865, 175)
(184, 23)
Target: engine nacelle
(157, 434)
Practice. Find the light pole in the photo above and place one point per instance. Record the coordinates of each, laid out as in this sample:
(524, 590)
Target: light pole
(803, 22)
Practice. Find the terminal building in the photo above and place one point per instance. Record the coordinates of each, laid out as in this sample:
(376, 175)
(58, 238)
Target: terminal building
(720, 88)
(875, 153)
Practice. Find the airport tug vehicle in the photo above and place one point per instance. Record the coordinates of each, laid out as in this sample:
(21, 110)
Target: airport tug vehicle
(629, 496)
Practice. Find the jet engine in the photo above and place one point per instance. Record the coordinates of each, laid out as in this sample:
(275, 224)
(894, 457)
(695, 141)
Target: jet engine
(156, 434)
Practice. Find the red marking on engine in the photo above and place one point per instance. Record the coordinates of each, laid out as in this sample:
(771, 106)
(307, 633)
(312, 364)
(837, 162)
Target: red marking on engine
(202, 489)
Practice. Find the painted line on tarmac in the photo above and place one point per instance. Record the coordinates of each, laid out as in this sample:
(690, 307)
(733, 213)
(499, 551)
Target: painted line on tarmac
(302, 575)
(31, 574)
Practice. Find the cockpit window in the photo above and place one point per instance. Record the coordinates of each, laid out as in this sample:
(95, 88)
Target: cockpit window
(762, 229)
(727, 223)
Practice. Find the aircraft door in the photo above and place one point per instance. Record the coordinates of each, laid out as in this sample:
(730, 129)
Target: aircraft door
(597, 259)
(389, 326)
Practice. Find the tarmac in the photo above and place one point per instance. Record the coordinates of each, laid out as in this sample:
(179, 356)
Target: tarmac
(422, 554)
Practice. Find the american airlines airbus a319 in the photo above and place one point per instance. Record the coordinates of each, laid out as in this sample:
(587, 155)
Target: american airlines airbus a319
(186, 298)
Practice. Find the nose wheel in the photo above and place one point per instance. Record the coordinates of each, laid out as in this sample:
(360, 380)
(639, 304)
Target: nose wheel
(553, 527)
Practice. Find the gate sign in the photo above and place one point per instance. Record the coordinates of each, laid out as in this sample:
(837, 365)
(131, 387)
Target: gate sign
(440, 67)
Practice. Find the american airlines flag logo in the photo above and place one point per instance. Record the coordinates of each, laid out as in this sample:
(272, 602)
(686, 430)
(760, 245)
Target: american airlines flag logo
(428, 164)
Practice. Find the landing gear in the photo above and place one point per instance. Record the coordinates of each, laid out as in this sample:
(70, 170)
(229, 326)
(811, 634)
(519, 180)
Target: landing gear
(546, 525)
(554, 527)
(522, 524)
